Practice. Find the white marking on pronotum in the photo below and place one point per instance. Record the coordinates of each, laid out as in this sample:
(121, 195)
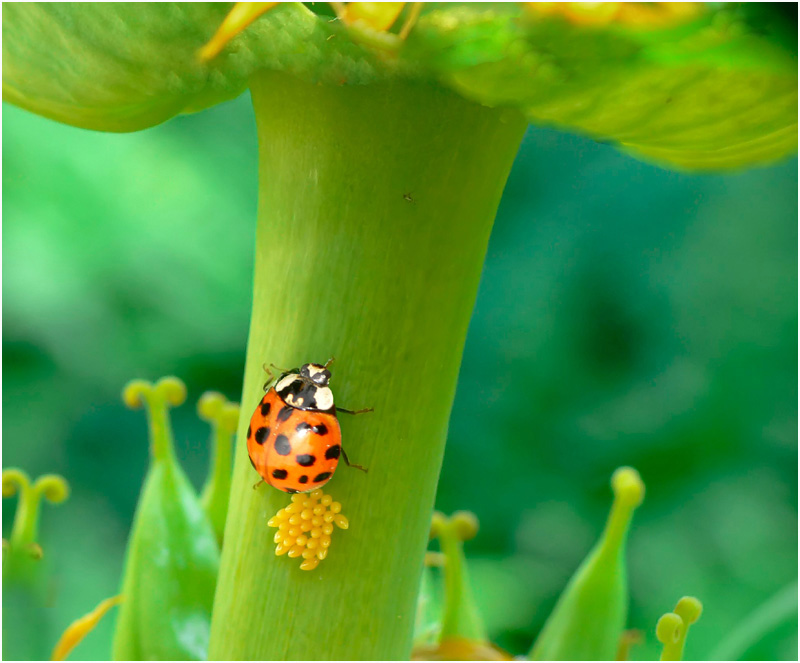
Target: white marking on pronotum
(324, 398)
(286, 381)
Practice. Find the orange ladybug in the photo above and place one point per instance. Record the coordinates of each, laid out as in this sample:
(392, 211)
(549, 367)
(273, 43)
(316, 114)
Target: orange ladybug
(294, 440)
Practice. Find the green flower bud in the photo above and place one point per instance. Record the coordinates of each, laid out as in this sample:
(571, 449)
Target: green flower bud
(172, 557)
(590, 615)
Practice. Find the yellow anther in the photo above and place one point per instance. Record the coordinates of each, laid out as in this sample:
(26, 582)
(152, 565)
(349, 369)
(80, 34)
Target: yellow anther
(634, 14)
(438, 522)
(78, 630)
(464, 524)
(172, 390)
(305, 527)
(241, 16)
(376, 15)
(673, 627)
(135, 392)
(668, 629)
(627, 486)
(689, 609)
(210, 405)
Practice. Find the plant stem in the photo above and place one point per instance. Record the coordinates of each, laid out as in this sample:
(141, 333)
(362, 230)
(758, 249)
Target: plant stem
(376, 204)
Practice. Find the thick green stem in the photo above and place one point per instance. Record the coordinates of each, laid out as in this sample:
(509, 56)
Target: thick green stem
(376, 204)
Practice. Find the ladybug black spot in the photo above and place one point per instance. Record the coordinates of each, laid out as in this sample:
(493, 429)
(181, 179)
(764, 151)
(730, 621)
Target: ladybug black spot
(305, 460)
(291, 491)
(333, 452)
(265, 408)
(279, 474)
(249, 432)
(262, 434)
(303, 479)
(322, 476)
(282, 445)
(320, 429)
(285, 413)
(302, 427)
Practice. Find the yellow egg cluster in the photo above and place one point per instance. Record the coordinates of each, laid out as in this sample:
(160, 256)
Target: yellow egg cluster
(305, 527)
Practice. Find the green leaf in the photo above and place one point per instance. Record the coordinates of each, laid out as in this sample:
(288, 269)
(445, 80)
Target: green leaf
(109, 66)
(713, 89)
(718, 92)
(128, 66)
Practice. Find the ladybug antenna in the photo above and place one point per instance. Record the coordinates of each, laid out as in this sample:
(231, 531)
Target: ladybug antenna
(329, 362)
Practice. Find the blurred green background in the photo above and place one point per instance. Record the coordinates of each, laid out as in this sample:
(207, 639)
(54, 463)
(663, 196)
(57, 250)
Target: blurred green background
(627, 315)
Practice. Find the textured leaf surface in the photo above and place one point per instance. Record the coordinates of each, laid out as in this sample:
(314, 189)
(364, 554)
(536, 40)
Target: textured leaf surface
(127, 66)
(713, 89)
(717, 92)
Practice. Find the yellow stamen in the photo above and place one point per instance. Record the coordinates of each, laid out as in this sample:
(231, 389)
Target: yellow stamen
(242, 15)
(80, 628)
(673, 627)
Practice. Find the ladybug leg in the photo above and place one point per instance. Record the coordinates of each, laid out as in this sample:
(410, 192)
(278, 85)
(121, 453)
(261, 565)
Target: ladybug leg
(366, 409)
(349, 464)
(270, 377)
(256, 485)
(329, 362)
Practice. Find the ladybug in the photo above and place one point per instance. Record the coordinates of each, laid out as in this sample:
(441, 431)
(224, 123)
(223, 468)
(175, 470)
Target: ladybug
(294, 440)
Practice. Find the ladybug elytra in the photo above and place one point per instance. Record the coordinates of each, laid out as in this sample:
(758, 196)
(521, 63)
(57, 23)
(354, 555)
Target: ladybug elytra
(294, 440)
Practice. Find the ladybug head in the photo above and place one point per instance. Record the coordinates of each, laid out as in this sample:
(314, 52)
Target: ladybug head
(316, 373)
